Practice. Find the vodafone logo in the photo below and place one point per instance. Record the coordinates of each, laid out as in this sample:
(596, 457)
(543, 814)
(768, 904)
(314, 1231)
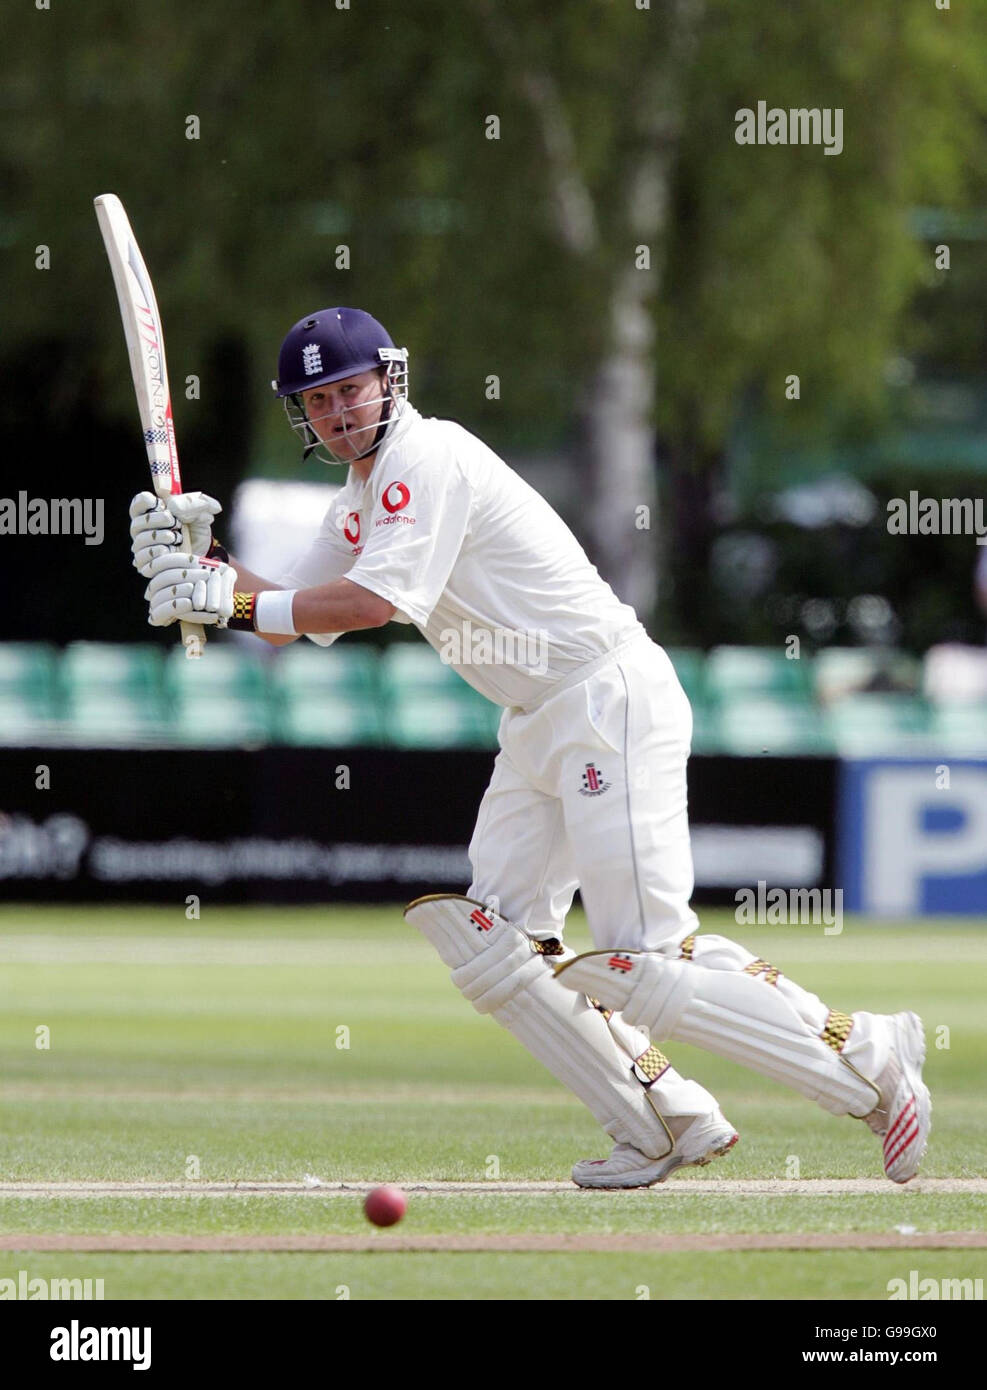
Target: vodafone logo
(351, 528)
(395, 497)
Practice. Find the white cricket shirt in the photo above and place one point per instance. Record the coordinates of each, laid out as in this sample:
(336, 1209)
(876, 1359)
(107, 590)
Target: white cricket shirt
(481, 564)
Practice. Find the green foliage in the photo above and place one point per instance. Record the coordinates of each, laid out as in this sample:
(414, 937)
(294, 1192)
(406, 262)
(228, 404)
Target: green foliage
(785, 260)
(365, 128)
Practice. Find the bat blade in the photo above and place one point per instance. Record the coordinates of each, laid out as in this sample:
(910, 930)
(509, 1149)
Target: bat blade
(148, 366)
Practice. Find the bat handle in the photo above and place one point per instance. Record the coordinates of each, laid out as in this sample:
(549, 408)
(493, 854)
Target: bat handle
(193, 634)
(193, 640)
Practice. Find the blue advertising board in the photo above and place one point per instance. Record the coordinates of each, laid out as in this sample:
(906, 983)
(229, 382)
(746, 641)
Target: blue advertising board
(912, 837)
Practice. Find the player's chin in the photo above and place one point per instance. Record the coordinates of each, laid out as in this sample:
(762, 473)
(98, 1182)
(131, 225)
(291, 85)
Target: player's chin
(341, 451)
(338, 447)
(351, 445)
(341, 442)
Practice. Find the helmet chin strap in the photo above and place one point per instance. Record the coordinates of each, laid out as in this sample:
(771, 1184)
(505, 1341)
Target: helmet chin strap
(385, 420)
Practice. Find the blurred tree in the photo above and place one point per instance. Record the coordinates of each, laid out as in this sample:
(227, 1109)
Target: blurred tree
(789, 262)
(607, 184)
(764, 263)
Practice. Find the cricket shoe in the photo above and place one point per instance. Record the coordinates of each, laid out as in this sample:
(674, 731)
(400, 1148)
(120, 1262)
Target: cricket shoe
(698, 1139)
(903, 1116)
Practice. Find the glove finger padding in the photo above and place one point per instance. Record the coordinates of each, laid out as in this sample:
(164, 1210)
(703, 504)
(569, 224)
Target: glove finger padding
(219, 592)
(153, 530)
(183, 520)
(173, 560)
(193, 507)
(144, 502)
(183, 586)
(160, 524)
(195, 512)
(157, 514)
(151, 551)
(173, 603)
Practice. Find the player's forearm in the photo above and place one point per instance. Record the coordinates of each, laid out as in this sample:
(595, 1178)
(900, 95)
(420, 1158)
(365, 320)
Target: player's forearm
(341, 606)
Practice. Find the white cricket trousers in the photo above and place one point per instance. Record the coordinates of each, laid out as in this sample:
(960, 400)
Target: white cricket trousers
(589, 791)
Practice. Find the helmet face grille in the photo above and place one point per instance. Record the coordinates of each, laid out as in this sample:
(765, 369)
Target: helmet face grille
(392, 401)
(397, 373)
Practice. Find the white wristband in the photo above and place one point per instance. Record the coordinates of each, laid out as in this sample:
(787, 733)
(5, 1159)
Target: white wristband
(272, 612)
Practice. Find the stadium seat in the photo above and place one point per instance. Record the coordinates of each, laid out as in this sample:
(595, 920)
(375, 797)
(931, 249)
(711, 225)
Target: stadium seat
(959, 730)
(347, 668)
(26, 666)
(705, 728)
(689, 663)
(432, 720)
(29, 701)
(223, 668)
(25, 717)
(955, 674)
(736, 671)
(842, 671)
(778, 726)
(415, 666)
(112, 666)
(110, 693)
(201, 719)
(877, 724)
(101, 717)
(329, 719)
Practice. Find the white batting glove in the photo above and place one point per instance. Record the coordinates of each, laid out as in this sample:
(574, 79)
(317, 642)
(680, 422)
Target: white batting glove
(156, 525)
(152, 531)
(189, 589)
(196, 510)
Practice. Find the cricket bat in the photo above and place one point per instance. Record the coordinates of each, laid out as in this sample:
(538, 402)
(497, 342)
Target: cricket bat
(145, 345)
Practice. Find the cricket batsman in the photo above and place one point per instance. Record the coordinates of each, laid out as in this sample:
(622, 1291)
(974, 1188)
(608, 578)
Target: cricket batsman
(588, 788)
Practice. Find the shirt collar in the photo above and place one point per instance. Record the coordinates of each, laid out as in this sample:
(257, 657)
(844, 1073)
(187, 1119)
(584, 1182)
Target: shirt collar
(396, 431)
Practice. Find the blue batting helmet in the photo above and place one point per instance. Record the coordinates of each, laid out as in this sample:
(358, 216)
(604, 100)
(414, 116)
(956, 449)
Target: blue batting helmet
(330, 345)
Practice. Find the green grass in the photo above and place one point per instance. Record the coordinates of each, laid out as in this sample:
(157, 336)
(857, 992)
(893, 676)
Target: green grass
(595, 1213)
(269, 1044)
(816, 1275)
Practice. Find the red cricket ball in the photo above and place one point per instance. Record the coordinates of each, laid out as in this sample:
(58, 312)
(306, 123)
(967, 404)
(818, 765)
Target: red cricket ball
(385, 1206)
